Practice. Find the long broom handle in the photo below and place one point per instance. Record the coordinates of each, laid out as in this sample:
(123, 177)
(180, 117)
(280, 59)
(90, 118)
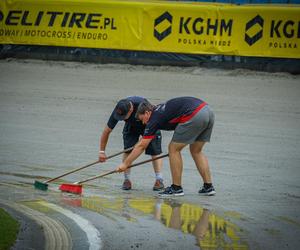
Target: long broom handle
(88, 165)
(114, 171)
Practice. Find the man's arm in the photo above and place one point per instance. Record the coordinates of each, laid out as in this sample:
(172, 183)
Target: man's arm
(103, 142)
(138, 149)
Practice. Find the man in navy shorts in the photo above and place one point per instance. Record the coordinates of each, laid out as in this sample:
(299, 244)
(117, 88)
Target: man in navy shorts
(125, 110)
(192, 121)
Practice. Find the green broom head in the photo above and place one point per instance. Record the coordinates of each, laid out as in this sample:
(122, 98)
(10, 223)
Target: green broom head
(41, 185)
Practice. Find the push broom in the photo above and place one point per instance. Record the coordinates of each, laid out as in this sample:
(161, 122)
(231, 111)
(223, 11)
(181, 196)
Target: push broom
(44, 185)
(76, 187)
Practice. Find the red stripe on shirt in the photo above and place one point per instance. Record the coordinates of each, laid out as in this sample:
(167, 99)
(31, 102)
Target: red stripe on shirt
(148, 136)
(185, 118)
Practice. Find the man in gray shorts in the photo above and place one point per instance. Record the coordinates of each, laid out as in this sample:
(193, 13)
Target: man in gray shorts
(192, 121)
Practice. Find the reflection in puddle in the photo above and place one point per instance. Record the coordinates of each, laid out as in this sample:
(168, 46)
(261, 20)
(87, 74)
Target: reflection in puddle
(211, 231)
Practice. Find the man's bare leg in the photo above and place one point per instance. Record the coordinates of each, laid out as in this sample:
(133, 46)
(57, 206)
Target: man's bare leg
(157, 166)
(127, 182)
(175, 160)
(203, 168)
(201, 161)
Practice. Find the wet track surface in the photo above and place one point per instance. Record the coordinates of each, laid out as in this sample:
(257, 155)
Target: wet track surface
(51, 117)
(195, 226)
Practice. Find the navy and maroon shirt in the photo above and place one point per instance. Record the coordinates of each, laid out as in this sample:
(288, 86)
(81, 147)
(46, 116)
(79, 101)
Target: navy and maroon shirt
(135, 124)
(168, 115)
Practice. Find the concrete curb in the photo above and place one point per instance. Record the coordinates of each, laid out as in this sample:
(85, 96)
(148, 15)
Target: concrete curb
(56, 234)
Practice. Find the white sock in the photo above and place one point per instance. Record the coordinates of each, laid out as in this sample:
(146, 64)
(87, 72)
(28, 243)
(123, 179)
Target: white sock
(158, 176)
(127, 176)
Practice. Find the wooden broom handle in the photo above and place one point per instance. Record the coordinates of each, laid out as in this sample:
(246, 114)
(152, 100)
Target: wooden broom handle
(88, 165)
(114, 171)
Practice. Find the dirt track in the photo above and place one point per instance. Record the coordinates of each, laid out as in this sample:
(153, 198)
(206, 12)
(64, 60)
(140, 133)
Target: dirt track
(52, 113)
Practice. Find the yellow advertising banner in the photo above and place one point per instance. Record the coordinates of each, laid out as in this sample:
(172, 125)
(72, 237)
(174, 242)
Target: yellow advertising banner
(193, 28)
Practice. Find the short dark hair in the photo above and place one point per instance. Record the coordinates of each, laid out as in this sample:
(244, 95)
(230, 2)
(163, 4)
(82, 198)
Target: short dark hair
(143, 107)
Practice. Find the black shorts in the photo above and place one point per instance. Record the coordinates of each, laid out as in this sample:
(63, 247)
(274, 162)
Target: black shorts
(131, 137)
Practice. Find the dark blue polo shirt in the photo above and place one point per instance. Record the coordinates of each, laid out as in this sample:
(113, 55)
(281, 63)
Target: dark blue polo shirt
(168, 115)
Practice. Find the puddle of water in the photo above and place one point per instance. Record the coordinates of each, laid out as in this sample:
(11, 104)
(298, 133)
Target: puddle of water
(210, 230)
(38, 205)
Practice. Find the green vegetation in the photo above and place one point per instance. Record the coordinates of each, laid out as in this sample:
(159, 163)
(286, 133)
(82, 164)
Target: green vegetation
(9, 228)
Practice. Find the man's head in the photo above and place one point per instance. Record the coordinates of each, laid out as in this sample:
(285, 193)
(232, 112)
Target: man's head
(144, 111)
(123, 110)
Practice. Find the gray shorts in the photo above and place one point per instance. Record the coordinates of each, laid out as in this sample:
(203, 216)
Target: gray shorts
(198, 128)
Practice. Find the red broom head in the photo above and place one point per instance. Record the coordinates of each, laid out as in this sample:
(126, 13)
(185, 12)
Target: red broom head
(71, 188)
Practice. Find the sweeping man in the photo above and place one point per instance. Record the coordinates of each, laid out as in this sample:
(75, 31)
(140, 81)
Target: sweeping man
(125, 110)
(192, 121)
